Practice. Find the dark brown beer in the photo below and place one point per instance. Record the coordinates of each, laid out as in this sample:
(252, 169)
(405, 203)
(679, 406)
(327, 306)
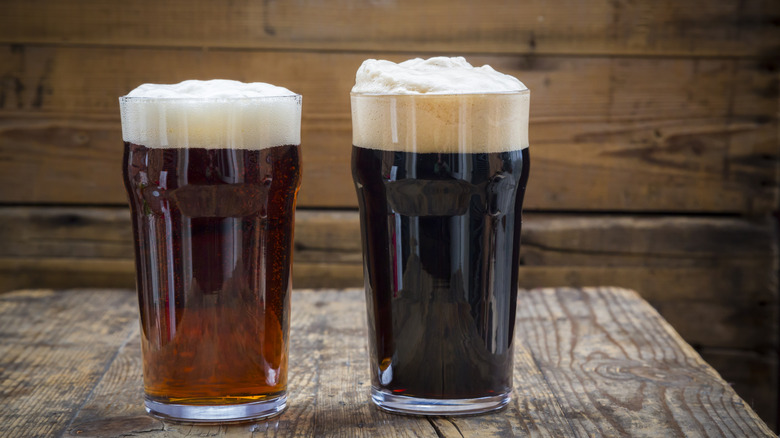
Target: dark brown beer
(441, 239)
(213, 239)
(440, 164)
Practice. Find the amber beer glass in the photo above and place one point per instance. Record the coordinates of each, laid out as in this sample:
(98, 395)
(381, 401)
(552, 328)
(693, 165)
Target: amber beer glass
(440, 180)
(212, 171)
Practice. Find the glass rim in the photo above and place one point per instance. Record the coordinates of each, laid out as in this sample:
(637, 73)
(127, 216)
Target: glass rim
(434, 95)
(209, 99)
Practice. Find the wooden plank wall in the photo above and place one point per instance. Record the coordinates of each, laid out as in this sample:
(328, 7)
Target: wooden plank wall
(654, 138)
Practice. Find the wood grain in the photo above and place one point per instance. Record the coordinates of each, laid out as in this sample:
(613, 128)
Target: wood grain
(743, 249)
(54, 349)
(634, 240)
(21, 272)
(626, 166)
(683, 266)
(670, 134)
(745, 371)
(82, 81)
(700, 28)
(612, 359)
(732, 321)
(587, 362)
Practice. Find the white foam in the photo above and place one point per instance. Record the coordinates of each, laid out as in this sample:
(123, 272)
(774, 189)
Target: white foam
(438, 105)
(438, 75)
(211, 114)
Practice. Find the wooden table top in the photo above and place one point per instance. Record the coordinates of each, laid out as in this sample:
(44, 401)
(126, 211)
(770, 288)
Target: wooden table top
(588, 362)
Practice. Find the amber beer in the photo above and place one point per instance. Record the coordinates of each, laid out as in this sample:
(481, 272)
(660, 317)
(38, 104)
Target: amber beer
(440, 180)
(212, 212)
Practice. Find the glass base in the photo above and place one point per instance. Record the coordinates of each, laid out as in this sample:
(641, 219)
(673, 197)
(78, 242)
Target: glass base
(217, 414)
(402, 404)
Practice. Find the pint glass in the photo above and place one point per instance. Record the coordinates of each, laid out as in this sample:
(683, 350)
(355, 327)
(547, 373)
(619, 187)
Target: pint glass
(212, 184)
(440, 181)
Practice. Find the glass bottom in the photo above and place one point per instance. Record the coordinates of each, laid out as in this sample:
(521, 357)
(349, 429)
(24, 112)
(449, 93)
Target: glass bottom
(217, 414)
(402, 404)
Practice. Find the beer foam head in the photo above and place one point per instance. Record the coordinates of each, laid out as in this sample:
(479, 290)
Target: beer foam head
(438, 105)
(211, 114)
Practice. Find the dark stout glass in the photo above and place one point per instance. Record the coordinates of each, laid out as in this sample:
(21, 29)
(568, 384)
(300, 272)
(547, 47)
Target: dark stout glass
(441, 239)
(213, 238)
(440, 165)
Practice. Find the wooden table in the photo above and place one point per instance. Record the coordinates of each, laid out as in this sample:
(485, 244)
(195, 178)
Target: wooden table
(588, 362)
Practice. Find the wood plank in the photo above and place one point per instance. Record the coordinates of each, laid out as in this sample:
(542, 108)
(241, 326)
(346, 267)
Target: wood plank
(76, 80)
(629, 134)
(24, 272)
(703, 256)
(726, 28)
(634, 240)
(594, 361)
(732, 321)
(688, 267)
(607, 165)
(106, 232)
(656, 241)
(723, 321)
(54, 349)
(66, 232)
(572, 333)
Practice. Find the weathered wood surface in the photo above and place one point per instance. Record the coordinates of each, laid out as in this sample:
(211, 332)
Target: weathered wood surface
(607, 357)
(551, 239)
(724, 28)
(72, 81)
(588, 362)
(608, 133)
(714, 279)
(54, 349)
(684, 266)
